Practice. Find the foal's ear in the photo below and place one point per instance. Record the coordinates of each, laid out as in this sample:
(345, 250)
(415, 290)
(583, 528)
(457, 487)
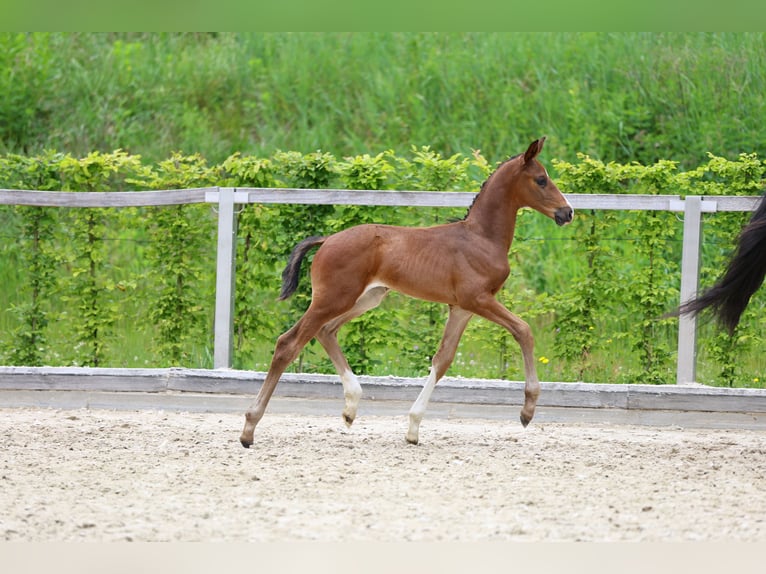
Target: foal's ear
(534, 148)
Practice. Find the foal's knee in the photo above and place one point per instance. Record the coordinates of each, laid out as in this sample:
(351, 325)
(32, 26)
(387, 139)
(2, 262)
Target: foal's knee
(522, 332)
(441, 365)
(284, 351)
(326, 334)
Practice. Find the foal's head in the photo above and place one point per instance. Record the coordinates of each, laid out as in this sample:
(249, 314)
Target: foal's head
(534, 188)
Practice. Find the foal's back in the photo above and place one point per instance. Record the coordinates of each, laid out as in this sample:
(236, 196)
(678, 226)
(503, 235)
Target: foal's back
(431, 263)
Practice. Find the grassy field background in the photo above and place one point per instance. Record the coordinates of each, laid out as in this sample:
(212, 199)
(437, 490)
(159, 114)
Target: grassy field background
(620, 96)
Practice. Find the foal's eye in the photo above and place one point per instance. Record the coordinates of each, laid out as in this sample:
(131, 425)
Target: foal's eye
(541, 181)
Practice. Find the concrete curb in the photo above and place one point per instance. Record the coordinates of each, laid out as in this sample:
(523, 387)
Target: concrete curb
(693, 398)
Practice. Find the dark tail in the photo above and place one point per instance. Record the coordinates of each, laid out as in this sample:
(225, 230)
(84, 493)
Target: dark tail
(291, 274)
(744, 275)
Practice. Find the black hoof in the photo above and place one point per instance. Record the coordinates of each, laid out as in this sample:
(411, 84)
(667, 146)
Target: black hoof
(245, 443)
(524, 421)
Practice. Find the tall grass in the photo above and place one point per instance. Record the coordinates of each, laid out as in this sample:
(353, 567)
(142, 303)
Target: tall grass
(621, 96)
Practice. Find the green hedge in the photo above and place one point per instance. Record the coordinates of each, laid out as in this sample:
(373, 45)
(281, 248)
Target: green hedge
(135, 286)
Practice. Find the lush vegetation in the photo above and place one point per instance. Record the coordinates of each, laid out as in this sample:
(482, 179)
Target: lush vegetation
(624, 113)
(621, 97)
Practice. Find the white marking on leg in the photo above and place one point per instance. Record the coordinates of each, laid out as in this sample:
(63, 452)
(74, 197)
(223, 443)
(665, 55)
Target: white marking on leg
(419, 407)
(352, 392)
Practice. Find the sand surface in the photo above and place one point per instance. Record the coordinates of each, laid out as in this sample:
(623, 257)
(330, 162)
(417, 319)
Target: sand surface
(102, 475)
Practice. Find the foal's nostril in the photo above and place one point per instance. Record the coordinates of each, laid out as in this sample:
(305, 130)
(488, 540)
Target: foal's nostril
(564, 215)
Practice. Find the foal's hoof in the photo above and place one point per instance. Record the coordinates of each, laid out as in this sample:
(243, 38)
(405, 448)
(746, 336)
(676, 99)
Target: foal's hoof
(246, 443)
(525, 420)
(348, 419)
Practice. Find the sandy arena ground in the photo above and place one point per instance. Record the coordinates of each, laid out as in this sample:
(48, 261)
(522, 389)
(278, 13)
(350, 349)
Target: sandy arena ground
(100, 475)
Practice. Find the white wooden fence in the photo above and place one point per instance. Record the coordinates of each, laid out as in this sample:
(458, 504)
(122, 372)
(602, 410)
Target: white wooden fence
(227, 198)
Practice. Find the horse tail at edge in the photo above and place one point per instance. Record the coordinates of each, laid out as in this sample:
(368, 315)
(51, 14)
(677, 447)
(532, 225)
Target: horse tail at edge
(730, 295)
(291, 274)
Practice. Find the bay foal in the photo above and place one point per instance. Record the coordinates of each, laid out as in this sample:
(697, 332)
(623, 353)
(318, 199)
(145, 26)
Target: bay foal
(462, 264)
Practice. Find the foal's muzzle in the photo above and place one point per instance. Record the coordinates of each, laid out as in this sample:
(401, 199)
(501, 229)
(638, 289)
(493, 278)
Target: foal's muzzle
(563, 215)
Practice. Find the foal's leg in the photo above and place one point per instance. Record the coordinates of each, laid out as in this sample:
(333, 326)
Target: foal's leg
(288, 347)
(328, 337)
(491, 309)
(456, 323)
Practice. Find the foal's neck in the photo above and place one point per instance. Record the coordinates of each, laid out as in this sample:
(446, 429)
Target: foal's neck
(493, 214)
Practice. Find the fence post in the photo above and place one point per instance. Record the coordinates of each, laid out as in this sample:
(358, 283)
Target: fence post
(224, 279)
(690, 262)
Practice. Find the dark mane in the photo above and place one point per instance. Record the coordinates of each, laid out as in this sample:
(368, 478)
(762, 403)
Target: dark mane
(483, 185)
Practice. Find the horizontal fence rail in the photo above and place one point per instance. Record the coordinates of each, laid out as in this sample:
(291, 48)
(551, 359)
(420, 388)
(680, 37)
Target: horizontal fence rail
(226, 198)
(102, 198)
(242, 195)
